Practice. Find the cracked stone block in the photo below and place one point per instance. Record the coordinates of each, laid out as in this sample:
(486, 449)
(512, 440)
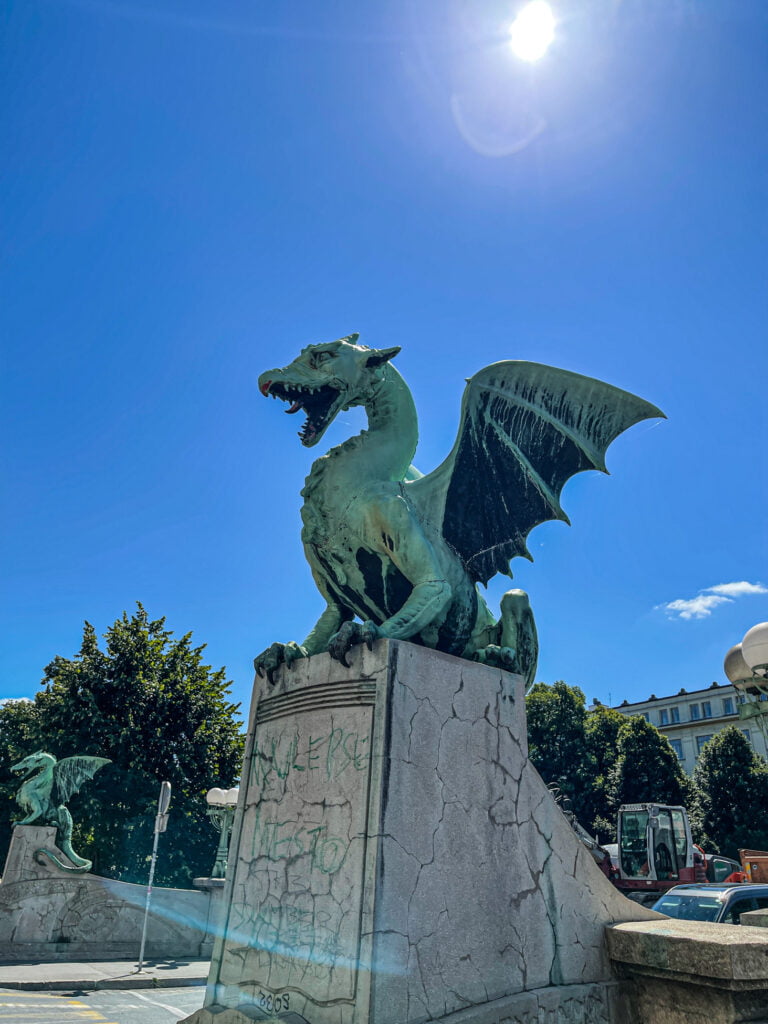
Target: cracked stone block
(396, 859)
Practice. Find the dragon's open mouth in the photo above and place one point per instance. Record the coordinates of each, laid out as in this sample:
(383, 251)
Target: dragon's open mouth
(319, 404)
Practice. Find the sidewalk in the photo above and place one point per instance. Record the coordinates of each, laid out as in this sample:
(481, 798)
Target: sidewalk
(119, 974)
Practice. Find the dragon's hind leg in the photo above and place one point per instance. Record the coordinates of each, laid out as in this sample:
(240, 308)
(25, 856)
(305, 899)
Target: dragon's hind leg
(516, 646)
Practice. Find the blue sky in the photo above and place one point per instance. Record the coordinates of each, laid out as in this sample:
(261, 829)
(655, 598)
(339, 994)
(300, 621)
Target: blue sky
(192, 191)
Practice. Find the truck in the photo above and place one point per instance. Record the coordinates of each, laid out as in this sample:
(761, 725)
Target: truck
(655, 851)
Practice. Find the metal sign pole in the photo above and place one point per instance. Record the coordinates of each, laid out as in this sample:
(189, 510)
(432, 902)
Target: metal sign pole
(161, 823)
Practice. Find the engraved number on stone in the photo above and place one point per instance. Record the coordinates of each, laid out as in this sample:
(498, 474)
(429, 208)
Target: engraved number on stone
(272, 1003)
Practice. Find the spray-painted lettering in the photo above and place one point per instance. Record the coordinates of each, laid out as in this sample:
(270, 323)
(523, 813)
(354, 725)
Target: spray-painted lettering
(332, 753)
(283, 840)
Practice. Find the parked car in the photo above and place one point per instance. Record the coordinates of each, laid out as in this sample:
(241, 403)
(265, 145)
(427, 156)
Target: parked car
(721, 903)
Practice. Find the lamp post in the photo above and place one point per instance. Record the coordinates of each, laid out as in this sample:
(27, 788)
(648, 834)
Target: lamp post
(221, 811)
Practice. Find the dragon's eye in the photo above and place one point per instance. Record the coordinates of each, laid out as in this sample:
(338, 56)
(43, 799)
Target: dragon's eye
(319, 358)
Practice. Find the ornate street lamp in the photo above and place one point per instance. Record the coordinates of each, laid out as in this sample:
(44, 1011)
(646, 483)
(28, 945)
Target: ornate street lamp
(746, 666)
(221, 811)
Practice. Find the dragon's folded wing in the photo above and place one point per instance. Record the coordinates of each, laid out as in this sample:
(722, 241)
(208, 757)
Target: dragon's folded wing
(71, 772)
(525, 429)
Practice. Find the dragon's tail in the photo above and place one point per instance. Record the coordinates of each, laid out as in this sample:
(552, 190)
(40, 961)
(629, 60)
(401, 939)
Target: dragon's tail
(78, 866)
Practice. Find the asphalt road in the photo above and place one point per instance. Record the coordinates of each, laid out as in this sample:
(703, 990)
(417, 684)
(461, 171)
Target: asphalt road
(132, 1006)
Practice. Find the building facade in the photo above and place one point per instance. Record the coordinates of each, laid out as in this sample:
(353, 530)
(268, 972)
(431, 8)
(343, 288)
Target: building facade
(690, 718)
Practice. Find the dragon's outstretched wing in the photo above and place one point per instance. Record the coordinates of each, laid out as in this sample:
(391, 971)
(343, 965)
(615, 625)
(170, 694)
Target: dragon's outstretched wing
(71, 772)
(525, 429)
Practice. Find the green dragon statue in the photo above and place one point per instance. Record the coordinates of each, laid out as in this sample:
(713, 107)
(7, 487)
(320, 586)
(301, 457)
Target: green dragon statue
(404, 552)
(48, 784)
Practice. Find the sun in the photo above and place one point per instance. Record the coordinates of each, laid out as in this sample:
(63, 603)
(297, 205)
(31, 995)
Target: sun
(532, 31)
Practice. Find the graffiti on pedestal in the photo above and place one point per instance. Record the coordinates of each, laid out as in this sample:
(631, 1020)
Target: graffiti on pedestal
(294, 923)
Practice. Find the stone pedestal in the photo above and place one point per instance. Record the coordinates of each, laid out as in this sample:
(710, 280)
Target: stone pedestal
(396, 859)
(22, 863)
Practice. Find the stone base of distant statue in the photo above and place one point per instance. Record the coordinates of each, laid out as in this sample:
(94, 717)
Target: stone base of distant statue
(47, 913)
(396, 858)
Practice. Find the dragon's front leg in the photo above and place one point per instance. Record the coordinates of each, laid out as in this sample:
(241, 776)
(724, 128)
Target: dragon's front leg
(30, 818)
(33, 805)
(428, 601)
(278, 654)
(395, 534)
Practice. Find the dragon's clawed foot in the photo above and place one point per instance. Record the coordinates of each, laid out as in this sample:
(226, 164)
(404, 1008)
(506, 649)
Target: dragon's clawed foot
(351, 634)
(498, 657)
(278, 654)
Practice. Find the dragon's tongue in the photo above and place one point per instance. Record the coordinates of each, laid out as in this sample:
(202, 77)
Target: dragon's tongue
(294, 408)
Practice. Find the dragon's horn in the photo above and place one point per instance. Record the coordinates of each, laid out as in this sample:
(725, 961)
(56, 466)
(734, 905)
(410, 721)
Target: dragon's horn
(379, 356)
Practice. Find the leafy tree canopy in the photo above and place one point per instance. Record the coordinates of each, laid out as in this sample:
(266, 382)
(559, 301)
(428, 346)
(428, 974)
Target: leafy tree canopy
(602, 728)
(600, 759)
(647, 769)
(732, 783)
(149, 703)
(557, 743)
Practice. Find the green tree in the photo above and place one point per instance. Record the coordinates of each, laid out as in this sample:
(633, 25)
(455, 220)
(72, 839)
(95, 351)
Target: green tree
(557, 743)
(602, 728)
(150, 704)
(647, 769)
(18, 726)
(732, 783)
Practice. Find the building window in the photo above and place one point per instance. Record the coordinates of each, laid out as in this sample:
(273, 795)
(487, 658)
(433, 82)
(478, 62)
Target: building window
(677, 746)
(700, 741)
(727, 705)
(741, 698)
(746, 733)
(664, 717)
(647, 717)
(706, 709)
(695, 712)
(675, 715)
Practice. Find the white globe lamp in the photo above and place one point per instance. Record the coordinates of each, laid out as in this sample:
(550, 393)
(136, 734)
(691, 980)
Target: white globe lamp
(736, 669)
(754, 649)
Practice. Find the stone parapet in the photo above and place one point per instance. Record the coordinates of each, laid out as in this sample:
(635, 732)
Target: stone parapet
(691, 972)
(754, 918)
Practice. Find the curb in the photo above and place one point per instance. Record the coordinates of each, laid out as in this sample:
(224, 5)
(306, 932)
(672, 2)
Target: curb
(93, 985)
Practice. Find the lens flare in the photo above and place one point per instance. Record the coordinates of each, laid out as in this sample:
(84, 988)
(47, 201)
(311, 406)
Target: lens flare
(532, 31)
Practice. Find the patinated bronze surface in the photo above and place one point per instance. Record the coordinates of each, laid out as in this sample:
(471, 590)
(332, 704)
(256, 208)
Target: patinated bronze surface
(48, 784)
(403, 553)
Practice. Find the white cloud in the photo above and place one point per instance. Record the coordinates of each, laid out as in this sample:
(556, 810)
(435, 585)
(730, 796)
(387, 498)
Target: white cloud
(737, 589)
(705, 602)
